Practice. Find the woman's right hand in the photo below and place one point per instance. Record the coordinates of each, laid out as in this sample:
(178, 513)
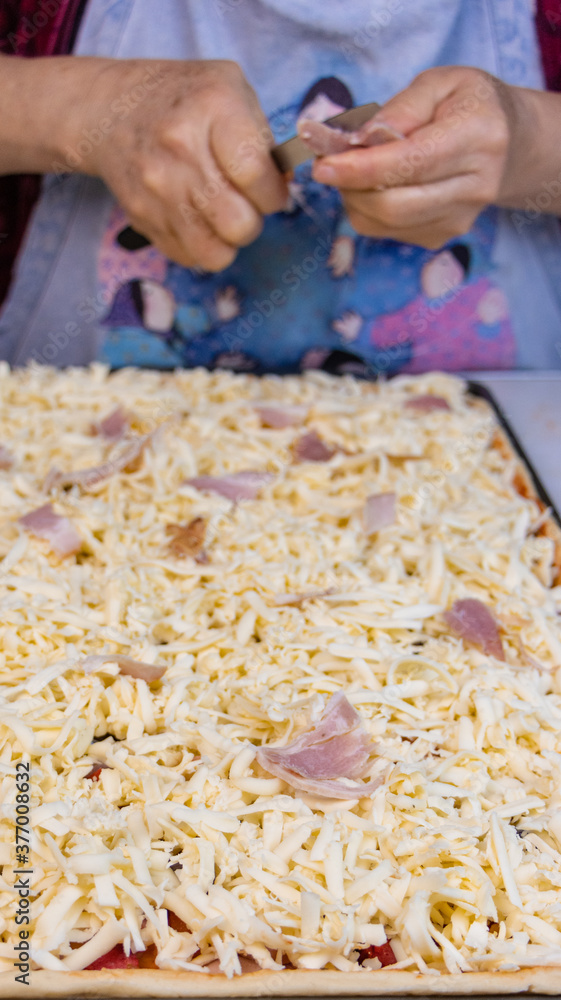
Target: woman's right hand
(185, 148)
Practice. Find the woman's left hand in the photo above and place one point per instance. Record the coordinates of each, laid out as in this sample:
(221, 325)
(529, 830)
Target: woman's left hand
(461, 127)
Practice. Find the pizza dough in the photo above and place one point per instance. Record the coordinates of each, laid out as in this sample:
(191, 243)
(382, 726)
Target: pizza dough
(228, 560)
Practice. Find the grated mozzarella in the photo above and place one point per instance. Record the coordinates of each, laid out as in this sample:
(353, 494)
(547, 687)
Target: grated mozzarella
(455, 859)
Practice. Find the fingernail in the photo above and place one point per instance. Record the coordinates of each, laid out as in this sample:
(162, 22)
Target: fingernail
(323, 172)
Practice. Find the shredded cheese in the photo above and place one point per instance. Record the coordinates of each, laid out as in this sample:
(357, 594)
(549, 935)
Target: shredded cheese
(454, 859)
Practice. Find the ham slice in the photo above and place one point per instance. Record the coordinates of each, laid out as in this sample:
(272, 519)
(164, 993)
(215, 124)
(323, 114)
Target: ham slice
(126, 460)
(247, 965)
(6, 458)
(379, 512)
(54, 528)
(115, 959)
(426, 404)
(310, 448)
(327, 140)
(113, 426)
(336, 748)
(324, 140)
(131, 668)
(279, 417)
(472, 620)
(186, 539)
(234, 486)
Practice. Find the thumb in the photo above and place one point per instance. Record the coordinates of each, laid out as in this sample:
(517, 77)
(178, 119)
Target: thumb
(417, 104)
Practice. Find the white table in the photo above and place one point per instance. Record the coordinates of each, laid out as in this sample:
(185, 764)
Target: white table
(531, 402)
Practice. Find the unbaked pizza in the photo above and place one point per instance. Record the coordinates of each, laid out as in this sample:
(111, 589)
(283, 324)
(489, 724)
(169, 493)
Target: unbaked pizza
(280, 689)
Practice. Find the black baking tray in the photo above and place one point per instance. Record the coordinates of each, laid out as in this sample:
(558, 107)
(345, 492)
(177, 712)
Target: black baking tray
(482, 392)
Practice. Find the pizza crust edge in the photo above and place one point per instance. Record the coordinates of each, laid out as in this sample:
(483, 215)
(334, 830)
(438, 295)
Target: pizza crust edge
(524, 485)
(288, 983)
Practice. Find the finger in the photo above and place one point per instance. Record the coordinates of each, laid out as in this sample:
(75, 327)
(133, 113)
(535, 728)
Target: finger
(431, 237)
(183, 235)
(234, 219)
(241, 148)
(174, 199)
(402, 208)
(195, 249)
(416, 104)
(230, 214)
(198, 242)
(433, 153)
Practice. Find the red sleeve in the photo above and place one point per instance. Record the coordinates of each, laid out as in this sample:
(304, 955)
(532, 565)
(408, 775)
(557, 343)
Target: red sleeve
(29, 28)
(548, 23)
(7, 21)
(39, 27)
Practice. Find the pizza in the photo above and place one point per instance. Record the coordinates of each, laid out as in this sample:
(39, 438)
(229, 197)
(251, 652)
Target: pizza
(281, 689)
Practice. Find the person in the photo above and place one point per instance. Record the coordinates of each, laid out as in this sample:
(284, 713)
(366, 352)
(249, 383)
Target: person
(164, 234)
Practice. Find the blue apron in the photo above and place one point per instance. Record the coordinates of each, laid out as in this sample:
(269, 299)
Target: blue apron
(310, 292)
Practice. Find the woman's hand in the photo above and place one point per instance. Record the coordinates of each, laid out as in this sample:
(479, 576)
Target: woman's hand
(184, 146)
(190, 163)
(470, 141)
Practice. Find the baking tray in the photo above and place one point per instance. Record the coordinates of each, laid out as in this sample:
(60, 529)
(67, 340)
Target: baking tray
(478, 391)
(482, 392)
